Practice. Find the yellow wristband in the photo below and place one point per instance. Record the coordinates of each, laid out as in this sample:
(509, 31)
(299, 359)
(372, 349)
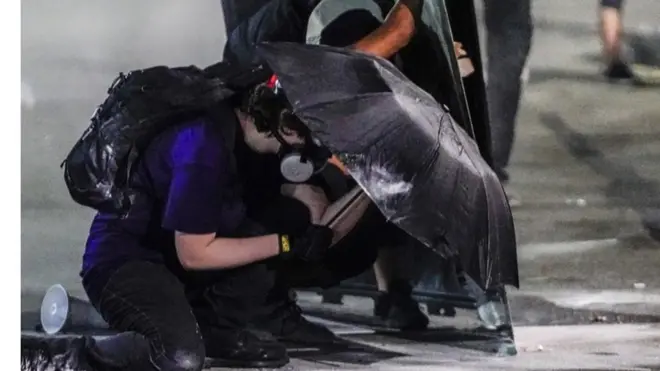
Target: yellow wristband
(285, 246)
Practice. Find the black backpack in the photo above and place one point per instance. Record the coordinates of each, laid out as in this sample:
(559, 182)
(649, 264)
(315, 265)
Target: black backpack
(140, 105)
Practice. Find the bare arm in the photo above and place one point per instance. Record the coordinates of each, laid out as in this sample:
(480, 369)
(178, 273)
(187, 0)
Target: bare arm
(194, 204)
(392, 35)
(206, 251)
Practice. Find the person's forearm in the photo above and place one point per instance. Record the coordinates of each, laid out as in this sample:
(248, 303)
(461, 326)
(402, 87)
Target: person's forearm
(392, 35)
(223, 253)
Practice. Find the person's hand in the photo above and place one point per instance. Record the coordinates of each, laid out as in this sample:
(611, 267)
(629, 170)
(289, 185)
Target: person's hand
(464, 62)
(459, 51)
(311, 245)
(313, 197)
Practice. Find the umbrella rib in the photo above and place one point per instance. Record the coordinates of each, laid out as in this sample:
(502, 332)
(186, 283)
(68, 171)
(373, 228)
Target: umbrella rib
(323, 104)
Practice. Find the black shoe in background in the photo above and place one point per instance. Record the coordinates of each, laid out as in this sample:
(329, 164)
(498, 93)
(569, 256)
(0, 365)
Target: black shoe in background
(242, 349)
(618, 71)
(287, 324)
(398, 310)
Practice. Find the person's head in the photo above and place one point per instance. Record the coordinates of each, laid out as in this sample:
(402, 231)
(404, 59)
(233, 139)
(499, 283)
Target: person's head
(268, 122)
(270, 126)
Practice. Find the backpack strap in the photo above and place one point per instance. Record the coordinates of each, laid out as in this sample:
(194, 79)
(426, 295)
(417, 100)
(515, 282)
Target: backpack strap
(228, 131)
(229, 134)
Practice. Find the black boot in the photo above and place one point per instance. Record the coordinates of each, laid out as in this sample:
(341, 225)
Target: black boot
(242, 349)
(398, 310)
(618, 71)
(285, 321)
(48, 353)
(126, 352)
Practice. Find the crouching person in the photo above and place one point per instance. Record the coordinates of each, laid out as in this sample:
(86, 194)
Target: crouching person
(183, 275)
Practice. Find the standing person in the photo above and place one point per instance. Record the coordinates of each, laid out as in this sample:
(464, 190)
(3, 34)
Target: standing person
(611, 31)
(509, 31)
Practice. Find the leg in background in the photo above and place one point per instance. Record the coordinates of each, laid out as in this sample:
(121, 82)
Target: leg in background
(509, 32)
(611, 31)
(394, 303)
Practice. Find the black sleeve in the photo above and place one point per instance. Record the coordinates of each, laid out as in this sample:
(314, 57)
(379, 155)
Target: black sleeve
(278, 20)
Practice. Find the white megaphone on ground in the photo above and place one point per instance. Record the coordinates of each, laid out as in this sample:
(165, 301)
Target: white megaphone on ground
(62, 312)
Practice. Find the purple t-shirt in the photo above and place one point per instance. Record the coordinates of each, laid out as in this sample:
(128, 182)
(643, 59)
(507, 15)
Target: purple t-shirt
(186, 183)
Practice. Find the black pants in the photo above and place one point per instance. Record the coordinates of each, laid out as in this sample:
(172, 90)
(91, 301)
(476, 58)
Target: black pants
(509, 32)
(170, 317)
(148, 303)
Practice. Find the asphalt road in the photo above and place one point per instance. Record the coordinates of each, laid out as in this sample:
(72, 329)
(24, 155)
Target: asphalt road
(585, 161)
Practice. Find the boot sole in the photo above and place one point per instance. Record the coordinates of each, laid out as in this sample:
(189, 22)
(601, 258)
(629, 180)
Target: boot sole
(408, 326)
(233, 363)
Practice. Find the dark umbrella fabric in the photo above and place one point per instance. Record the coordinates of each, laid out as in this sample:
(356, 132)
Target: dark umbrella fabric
(422, 170)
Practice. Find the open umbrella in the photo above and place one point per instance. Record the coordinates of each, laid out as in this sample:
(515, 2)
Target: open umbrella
(422, 170)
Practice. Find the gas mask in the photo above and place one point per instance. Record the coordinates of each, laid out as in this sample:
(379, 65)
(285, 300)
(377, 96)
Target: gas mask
(298, 162)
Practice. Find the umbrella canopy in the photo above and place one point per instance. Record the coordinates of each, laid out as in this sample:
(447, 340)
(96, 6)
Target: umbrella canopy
(422, 170)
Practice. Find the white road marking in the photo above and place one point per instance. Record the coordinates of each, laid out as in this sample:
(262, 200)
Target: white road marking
(536, 250)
